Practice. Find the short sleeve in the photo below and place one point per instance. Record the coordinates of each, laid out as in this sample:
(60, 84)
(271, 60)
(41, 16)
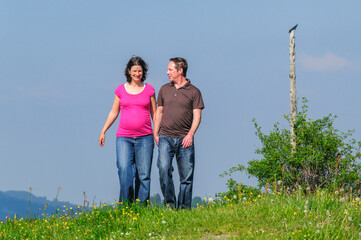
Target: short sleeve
(197, 100)
(151, 90)
(118, 90)
(160, 97)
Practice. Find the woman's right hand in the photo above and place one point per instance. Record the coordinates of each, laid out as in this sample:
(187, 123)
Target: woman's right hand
(102, 139)
(156, 138)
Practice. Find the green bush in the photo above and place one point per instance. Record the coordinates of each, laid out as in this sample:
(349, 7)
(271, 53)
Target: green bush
(324, 157)
(236, 191)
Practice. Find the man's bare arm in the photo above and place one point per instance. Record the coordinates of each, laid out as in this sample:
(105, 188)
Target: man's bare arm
(188, 139)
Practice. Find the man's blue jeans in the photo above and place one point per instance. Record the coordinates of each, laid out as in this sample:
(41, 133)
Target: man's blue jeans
(134, 161)
(167, 149)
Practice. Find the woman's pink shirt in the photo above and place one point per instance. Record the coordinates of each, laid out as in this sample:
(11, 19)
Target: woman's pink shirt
(134, 112)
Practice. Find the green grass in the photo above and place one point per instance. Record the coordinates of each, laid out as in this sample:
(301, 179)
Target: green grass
(267, 216)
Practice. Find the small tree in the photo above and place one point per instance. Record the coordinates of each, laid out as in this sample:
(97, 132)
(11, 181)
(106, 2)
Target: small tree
(324, 157)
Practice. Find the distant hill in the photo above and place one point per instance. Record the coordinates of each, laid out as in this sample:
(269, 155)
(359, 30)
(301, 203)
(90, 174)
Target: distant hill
(17, 202)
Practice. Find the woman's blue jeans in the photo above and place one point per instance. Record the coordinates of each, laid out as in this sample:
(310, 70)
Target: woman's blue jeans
(134, 162)
(167, 149)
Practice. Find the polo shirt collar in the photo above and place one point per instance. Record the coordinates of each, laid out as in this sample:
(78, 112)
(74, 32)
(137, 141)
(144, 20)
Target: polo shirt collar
(186, 86)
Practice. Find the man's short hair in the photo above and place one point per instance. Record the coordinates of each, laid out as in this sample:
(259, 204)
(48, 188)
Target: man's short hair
(180, 63)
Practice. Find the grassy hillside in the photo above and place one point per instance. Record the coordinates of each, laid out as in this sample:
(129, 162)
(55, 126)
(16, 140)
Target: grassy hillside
(246, 216)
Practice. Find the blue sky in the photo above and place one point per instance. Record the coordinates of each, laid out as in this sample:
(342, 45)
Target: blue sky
(61, 61)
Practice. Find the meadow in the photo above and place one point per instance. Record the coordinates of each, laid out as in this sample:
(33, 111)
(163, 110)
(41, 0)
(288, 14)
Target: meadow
(247, 215)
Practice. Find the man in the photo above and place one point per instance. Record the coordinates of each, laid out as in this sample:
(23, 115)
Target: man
(177, 119)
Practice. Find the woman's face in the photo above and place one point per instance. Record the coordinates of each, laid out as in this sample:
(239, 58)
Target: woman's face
(136, 73)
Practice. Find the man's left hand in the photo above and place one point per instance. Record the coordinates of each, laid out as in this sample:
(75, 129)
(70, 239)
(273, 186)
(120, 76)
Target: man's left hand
(187, 141)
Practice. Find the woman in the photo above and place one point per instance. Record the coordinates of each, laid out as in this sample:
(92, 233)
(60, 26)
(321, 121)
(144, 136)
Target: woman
(134, 143)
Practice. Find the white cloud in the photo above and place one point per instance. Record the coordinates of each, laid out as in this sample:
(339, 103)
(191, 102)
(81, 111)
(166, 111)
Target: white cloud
(328, 62)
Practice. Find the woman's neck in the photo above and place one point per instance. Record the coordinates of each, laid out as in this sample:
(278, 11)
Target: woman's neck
(136, 84)
(134, 88)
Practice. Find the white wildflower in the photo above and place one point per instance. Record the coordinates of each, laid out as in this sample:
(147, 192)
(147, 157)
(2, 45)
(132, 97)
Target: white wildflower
(357, 199)
(210, 200)
(317, 231)
(341, 190)
(279, 182)
(349, 218)
(234, 196)
(164, 222)
(245, 199)
(336, 192)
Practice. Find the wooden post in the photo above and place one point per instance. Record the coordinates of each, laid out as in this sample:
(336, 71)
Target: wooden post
(293, 104)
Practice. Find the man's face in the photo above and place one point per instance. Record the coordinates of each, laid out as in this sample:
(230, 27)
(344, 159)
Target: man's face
(172, 72)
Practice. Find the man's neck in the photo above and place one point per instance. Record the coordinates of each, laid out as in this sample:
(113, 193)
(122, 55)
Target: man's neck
(180, 83)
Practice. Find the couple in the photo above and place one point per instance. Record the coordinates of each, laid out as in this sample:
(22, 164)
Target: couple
(175, 122)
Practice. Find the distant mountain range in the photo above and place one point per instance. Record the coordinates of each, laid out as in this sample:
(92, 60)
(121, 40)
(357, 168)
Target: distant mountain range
(25, 204)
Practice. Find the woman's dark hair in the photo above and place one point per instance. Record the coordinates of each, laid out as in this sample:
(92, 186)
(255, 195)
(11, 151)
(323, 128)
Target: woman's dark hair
(136, 61)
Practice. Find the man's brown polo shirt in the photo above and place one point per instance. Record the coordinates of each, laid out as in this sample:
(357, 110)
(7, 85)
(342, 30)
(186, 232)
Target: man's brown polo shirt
(178, 105)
